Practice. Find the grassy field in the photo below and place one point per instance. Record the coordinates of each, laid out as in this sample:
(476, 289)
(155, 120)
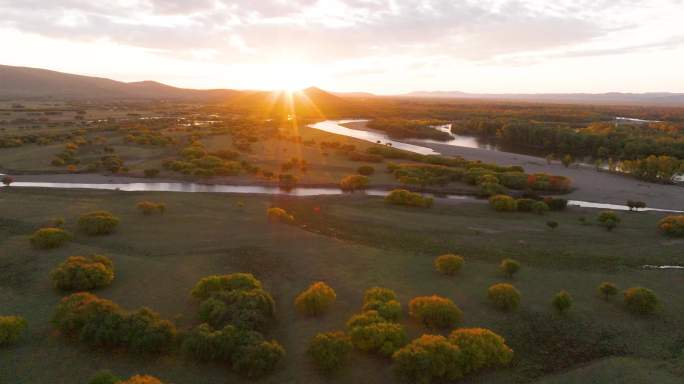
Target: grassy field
(352, 243)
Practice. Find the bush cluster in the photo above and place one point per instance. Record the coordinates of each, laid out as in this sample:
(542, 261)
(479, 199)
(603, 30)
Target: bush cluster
(98, 223)
(353, 182)
(448, 264)
(330, 351)
(375, 329)
(150, 207)
(245, 350)
(48, 238)
(503, 203)
(316, 299)
(640, 300)
(83, 273)
(279, 215)
(504, 296)
(435, 312)
(411, 199)
(102, 323)
(436, 358)
(11, 327)
(237, 299)
(672, 226)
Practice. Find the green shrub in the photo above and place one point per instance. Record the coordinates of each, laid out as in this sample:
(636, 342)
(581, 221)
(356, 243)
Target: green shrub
(525, 205)
(210, 285)
(151, 173)
(98, 223)
(104, 377)
(330, 351)
(365, 170)
(365, 318)
(316, 299)
(480, 348)
(513, 180)
(607, 289)
(448, 264)
(258, 360)
(11, 327)
(83, 273)
(491, 189)
(384, 302)
(101, 323)
(504, 296)
(411, 199)
(149, 207)
(540, 207)
(382, 337)
(48, 238)
(509, 267)
(435, 312)
(608, 219)
(429, 358)
(503, 203)
(562, 301)
(672, 226)
(353, 182)
(642, 301)
(279, 215)
(556, 204)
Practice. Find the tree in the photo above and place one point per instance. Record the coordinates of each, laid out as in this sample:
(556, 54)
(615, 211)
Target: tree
(481, 348)
(316, 299)
(635, 205)
(640, 300)
(562, 301)
(353, 182)
(504, 296)
(429, 358)
(435, 312)
(330, 351)
(608, 220)
(607, 289)
(47, 238)
(509, 267)
(11, 328)
(98, 223)
(7, 180)
(448, 264)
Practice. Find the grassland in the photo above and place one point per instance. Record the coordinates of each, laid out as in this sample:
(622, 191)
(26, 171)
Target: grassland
(352, 243)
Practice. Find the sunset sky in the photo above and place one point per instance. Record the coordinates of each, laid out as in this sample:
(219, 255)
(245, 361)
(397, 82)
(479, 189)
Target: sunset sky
(381, 46)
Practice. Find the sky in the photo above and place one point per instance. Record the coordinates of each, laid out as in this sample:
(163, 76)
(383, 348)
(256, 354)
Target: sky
(379, 46)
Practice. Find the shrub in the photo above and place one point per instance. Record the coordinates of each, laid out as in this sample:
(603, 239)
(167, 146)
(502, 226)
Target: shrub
(316, 299)
(210, 285)
(552, 224)
(556, 204)
(509, 267)
(330, 351)
(151, 173)
(101, 323)
(635, 205)
(98, 223)
(365, 318)
(480, 348)
(639, 300)
(435, 312)
(562, 301)
(411, 199)
(279, 215)
(503, 203)
(384, 302)
(11, 327)
(353, 182)
(104, 377)
(258, 360)
(608, 219)
(491, 189)
(141, 379)
(82, 273)
(47, 238)
(380, 337)
(672, 226)
(365, 170)
(525, 205)
(448, 264)
(607, 289)
(429, 358)
(540, 207)
(149, 207)
(287, 181)
(504, 296)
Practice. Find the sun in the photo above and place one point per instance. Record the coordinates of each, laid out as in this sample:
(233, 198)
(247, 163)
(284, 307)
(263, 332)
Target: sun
(291, 76)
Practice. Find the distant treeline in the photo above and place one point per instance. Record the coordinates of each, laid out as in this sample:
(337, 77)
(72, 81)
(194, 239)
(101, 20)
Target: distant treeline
(410, 129)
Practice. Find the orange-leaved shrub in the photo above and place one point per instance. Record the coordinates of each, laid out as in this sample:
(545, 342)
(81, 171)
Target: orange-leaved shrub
(435, 312)
(316, 299)
(83, 273)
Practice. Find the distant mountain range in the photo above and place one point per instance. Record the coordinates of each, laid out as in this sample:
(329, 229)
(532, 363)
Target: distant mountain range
(34, 83)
